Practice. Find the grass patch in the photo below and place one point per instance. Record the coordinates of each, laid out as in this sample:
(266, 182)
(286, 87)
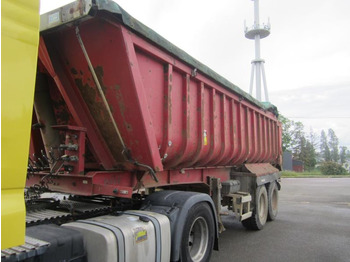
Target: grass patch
(309, 174)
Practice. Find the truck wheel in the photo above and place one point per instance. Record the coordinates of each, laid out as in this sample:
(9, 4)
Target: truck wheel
(198, 234)
(259, 216)
(273, 201)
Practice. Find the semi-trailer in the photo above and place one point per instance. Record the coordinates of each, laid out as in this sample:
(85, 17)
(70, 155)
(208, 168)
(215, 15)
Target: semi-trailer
(144, 143)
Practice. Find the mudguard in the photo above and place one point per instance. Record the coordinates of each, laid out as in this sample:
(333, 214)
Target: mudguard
(175, 205)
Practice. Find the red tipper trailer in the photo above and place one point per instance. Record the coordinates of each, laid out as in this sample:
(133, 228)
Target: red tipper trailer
(120, 110)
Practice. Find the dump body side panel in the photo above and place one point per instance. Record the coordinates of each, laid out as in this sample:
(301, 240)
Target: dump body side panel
(167, 117)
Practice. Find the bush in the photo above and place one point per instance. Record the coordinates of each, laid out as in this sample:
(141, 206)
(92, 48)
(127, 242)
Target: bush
(332, 168)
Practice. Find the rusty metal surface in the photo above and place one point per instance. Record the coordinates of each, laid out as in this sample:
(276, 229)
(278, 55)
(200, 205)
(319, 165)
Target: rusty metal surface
(60, 85)
(100, 114)
(261, 169)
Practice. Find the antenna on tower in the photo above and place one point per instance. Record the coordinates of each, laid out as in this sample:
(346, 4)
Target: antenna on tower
(256, 32)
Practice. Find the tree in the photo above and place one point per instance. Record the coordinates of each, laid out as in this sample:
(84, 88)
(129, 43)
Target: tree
(294, 140)
(313, 138)
(333, 143)
(298, 139)
(344, 154)
(286, 133)
(324, 148)
(332, 168)
(302, 147)
(308, 155)
(314, 141)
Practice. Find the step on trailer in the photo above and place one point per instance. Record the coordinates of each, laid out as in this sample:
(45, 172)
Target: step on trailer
(126, 121)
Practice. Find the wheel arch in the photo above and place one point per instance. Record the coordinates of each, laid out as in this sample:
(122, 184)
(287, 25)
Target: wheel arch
(175, 205)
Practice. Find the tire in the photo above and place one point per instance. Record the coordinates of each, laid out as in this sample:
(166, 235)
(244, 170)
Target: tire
(260, 212)
(198, 234)
(272, 193)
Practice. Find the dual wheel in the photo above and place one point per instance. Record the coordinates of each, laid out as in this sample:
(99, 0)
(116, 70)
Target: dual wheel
(266, 207)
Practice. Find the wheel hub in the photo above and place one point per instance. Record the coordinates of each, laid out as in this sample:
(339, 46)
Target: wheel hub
(198, 239)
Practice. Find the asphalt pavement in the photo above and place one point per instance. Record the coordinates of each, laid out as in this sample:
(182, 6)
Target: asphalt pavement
(313, 224)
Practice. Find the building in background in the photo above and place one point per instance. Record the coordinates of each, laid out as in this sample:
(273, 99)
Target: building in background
(290, 164)
(298, 165)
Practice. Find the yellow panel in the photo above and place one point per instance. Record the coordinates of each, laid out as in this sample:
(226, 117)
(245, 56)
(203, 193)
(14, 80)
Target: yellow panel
(19, 50)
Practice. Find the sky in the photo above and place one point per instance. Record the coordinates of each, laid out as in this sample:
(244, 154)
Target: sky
(307, 55)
